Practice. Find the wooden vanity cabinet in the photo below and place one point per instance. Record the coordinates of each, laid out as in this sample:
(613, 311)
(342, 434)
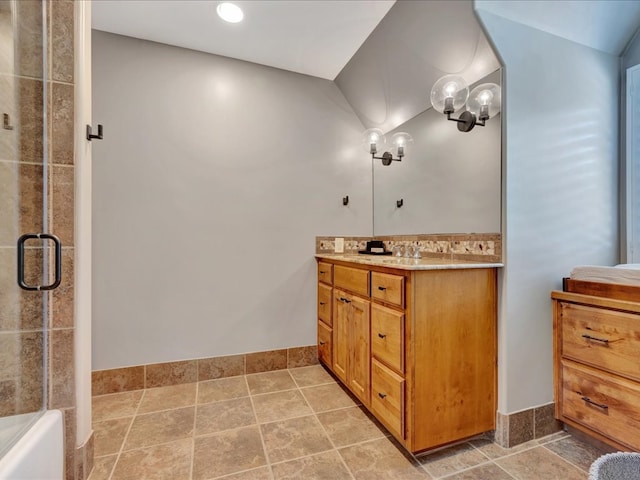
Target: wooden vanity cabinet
(418, 348)
(325, 313)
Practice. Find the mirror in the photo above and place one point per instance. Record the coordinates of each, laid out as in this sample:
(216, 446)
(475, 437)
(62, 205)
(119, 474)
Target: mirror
(448, 182)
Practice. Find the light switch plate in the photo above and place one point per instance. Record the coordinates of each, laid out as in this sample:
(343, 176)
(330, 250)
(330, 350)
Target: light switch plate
(338, 246)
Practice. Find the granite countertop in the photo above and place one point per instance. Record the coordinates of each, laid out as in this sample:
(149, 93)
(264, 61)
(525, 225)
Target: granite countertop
(406, 263)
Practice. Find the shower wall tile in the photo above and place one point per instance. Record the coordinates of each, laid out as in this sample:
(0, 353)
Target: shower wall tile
(19, 309)
(172, 373)
(29, 39)
(62, 39)
(302, 356)
(62, 298)
(117, 380)
(6, 44)
(61, 210)
(21, 197)
(266, 361)
(8, 139)
(69, 442)
(29, 123)
(220, 367)
(84, 459)
(21, 361)
(62, 369)
(61, 140)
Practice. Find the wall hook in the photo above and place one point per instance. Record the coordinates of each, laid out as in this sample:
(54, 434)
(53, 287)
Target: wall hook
(6, 122)
(345, 200)
(400, 202)
(91, 136)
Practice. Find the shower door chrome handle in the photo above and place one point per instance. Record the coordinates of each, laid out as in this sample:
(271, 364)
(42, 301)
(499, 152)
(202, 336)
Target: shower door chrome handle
(57, 266)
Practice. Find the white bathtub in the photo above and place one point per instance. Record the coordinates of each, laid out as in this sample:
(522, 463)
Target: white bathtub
(39, 454)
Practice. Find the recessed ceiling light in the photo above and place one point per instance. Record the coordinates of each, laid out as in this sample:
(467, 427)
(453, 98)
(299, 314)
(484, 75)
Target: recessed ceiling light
(230, 12)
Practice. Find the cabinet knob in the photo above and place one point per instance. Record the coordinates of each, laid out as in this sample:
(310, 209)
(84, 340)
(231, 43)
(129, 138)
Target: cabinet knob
(342, 299)
(382, 395)
(382, 335)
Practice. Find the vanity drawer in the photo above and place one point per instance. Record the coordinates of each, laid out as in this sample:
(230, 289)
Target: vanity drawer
(324, 303)
(606, 339)
(325, 273)
(615, 411)
(325, 344)
(387, 397)
(352, 279)
(387, 336)
(388, 288)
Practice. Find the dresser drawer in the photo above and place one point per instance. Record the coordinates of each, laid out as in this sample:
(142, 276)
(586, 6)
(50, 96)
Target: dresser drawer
(324, 303)
(325, 344)
(388, 288)
(325, 273)
(387, 397)
(387, 336)
(352, 279)
(606, 339)
(605, 403)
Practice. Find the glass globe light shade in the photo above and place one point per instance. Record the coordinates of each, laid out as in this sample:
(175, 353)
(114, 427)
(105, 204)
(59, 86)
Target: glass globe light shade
(374, 141)
(485, 101)
(399, 143)
(449, 94)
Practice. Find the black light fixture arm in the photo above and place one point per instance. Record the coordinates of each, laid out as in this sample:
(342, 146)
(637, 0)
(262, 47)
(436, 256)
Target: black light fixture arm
(387, 158)
(467, 121)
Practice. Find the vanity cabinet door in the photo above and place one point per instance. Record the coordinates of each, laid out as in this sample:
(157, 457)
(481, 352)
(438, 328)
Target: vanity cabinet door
(359, 373)
(340, 334)
(325, 344)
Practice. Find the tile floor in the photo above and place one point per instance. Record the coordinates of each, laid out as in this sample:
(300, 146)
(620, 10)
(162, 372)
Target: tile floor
(292, 424)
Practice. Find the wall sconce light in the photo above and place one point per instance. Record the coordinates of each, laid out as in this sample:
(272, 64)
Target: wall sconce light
(374, 141)
(450, 94)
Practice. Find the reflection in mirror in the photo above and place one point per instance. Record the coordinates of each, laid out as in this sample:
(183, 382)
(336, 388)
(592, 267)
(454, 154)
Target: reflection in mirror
(450, 181)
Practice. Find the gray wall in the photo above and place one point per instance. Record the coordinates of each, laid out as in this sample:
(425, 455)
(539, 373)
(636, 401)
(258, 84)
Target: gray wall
(561, 203)
(449, 180)
(213, 179)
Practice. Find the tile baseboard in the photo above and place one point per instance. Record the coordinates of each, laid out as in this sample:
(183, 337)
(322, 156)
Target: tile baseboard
(197, 370)
(521, 427)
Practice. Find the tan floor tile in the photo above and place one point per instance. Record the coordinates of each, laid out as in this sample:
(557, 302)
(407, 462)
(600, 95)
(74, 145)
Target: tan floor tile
(488, 471)
(381, 460)
(102, 467)
(222, 389)
(495, 451)
(228, 452)
(115, 405)
(579, 453)
(452, 460)
(280, 405)
(160, 427)
(170, 461)
(350, 425)
(311, 376)
(293, 438)
(218, 416)
(262, 473)
(109, 435)
(328, 397)
(166, 398)
(539, 464)
(324, 466)
(270, 382)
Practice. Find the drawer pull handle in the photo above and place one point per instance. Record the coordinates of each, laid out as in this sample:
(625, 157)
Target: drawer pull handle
(322, 343)
(595, 404)
(322, 272)
(322, 303)
(342, 299)
(382, 288)
(382, 335)
(589, 337)
(382, 395)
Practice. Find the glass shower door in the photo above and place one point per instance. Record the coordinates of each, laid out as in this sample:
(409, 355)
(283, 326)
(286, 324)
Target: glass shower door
(23, 202)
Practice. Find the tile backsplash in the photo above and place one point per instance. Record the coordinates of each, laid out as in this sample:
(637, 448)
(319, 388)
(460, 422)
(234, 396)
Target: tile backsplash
(485, 247)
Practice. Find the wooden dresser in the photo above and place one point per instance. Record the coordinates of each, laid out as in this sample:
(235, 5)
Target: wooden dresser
(597, 366)
(416, 346)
